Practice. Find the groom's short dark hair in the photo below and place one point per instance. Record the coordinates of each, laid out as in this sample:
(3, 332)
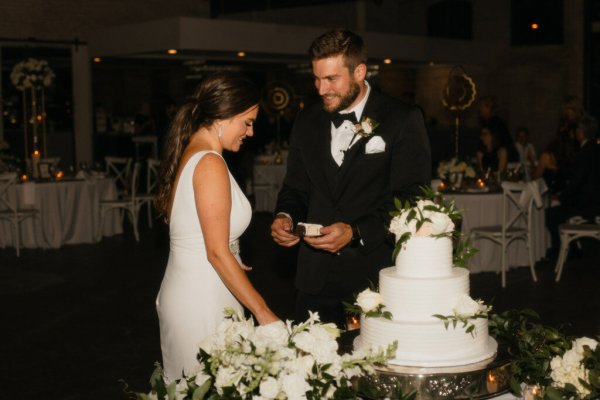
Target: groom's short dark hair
(339, 41)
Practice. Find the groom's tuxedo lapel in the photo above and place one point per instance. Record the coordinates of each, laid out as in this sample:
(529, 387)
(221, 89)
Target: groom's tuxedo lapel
(324, 162)
(357, 151)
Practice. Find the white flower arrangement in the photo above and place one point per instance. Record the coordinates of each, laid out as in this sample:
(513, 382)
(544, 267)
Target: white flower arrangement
(465, 310)
(275, 361)
(432, 216)
(455, 166)
(366, 127)
(569, 371)
(32, 73)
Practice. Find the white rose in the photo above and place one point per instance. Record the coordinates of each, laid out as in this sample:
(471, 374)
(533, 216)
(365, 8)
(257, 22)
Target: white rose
(470, 172)
(226, 376)
(368, 300)
(366, 126)
(440, 223)
(272, 336)
(269, 388)
(425, 230)
(584, 341)
(301, 365)
(294, 386)
(465, 306)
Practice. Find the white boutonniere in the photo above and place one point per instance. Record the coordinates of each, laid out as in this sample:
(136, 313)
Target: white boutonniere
(366, 127)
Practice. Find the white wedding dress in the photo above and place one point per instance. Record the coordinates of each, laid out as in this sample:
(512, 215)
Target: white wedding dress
(192, 296)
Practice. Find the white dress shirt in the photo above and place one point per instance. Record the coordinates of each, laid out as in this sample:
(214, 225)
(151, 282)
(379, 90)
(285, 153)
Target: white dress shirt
(341, 137)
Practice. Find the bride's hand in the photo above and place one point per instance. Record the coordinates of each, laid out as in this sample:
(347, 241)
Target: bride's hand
(267, 318)
(245, 267)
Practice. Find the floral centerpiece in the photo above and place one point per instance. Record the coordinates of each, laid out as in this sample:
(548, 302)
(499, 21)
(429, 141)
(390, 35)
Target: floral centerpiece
(445, 168)
(275, 361)
(32, 73)
(560, 366)
(432, 216)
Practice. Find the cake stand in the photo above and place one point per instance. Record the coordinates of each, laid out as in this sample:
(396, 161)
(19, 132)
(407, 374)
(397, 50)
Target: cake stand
(482, 380)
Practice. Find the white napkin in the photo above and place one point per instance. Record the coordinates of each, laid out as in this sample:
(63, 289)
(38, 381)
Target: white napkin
(29, 193)
(375, 145)
(82, 175)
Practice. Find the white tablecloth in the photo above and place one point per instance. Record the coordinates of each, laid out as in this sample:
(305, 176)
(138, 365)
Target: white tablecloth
(268, 179)
(69, 213)
(486, 209)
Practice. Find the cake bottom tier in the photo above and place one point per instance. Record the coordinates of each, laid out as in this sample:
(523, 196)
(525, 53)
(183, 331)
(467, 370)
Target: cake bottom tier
(429, 344)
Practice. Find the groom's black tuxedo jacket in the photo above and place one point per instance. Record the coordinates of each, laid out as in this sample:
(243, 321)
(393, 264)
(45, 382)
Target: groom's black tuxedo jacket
(360, 191)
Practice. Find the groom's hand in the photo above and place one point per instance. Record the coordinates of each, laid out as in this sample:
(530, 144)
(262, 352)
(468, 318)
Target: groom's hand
(281, 231)
(335, 237)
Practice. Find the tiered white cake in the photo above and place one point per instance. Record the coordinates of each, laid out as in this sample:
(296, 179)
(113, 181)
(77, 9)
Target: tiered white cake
(424, 283)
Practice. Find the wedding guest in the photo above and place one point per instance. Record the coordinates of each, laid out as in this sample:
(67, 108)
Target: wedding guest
(571, 113)
(346, 179)
(555, 162)
(491, 155)
(488, 118)
(207, 212)
(582, 190)
(527, 156)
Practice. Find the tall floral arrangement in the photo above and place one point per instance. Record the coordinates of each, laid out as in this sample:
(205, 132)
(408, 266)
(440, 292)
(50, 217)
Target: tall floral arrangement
(31, 76)
(275, 361)
(32, 73)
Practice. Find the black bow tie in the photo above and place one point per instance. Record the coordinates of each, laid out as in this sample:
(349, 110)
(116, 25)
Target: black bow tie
(338, 118)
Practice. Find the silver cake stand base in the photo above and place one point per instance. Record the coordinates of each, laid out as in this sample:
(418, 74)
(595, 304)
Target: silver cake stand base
(483, 380)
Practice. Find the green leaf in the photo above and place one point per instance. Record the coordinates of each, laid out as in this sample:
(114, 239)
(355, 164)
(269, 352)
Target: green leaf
(202, 390)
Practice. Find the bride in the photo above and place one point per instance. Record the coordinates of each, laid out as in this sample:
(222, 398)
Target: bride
(207, 212)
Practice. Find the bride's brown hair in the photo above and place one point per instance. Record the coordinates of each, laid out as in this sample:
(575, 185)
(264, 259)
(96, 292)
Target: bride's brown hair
(221, 95)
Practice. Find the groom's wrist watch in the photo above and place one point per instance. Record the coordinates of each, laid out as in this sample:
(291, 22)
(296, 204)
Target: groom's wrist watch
(356, 240)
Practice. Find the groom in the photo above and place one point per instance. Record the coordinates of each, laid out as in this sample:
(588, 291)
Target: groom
(345, 176)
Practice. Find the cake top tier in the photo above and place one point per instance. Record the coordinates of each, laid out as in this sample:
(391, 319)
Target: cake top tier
(430, 216)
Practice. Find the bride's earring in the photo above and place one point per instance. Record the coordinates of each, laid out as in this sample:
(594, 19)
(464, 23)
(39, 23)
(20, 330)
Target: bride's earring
(219, 131)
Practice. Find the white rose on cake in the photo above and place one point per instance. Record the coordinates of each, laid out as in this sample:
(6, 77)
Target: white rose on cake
(440, 223)
(466, 307)
(368, 300)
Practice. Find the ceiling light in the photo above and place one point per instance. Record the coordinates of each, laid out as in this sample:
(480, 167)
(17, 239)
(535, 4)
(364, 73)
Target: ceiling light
(241, 54)
(172, 51)
(97, 59)
(534, 26)
(387, 60)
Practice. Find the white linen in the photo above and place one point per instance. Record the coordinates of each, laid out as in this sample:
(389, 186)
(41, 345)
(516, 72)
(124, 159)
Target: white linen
(486, 209)
(69, 214)
(29, 193)
(192, 296)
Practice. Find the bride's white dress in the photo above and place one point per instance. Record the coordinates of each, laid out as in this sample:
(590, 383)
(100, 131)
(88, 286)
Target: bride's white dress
(192, 296)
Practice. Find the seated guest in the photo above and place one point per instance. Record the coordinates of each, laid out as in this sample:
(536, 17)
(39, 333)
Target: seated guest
(555, 163)
(488, 117)
(491, 156)
(525, 149)
(582, 190)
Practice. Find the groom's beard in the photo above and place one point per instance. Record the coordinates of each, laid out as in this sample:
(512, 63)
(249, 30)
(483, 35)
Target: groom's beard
(346, 99)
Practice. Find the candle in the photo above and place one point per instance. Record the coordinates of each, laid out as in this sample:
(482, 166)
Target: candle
(491, 382)
(24, 178)
(480, 183)
(35, 164)
(533, 392)
(352, 323)
(59, 175)
(442, 186)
